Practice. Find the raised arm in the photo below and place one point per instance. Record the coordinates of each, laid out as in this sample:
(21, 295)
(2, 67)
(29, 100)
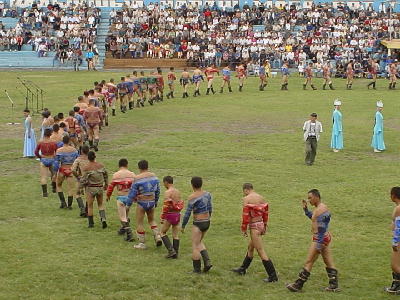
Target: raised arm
(305, 208)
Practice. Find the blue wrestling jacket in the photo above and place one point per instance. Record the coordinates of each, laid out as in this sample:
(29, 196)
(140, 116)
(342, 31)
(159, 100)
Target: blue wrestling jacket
(136, 81)
(322, 224)
(147, 186)
(129, 86)
(81, 121)
(396, 231)
(64, 158)
(199, 205)
(226, 72)
(197, 78)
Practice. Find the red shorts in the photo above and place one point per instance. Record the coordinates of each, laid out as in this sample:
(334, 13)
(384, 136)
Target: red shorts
(259, 226)
(327, 238)
(67, 172)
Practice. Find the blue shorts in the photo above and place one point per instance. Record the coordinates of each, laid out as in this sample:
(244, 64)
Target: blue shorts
(47, 162)
(124, 200)
(147, 205)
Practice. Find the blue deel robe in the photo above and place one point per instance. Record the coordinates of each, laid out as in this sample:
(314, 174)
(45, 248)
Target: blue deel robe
(29, 139)
(377, 137)
(337, 132)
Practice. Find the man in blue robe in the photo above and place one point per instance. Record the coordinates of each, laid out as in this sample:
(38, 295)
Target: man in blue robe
(337, 130)
(377, 138)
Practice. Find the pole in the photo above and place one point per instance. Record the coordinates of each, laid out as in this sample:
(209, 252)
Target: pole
(12, 109)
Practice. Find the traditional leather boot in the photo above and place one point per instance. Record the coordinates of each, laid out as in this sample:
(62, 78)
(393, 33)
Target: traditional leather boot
(245, 265)
(298, 284)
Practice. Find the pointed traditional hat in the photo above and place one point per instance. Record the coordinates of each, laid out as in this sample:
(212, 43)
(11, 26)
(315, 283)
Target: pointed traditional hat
(337, 102)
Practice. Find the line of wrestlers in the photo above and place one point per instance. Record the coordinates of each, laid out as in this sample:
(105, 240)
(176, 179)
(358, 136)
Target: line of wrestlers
(150, 87)
(144, 190)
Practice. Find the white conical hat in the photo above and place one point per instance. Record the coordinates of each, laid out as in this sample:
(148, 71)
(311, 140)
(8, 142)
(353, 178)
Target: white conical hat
(379, 103)
(337, 102)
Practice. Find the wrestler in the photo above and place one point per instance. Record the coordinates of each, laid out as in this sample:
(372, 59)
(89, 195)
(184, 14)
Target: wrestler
(94, 180)
(57, 135)
(47, 122)
(86, 97)
(308, 73)
(241, 75)
(77, 169)
(395, 260)
(112, 92)
(200, 204)
(82, 134)
(160, 84)
(152, 88)
(184, 81)
(263, 78)
(171, 217)
(123, 94)
(255, 217)
(136, 89)
(94, 97)
(93, 117)
(65, 157)
(321, 239)
(81, 104)
(129, 86)
(45, 151)
(123, 180)
(143, 86)
(285, 76)
(171, 79)
(349, 75)
(209, 72)
(145, 190)
(196, 79)
(226, 79)
(373, 69)
(326, 73)
(73, 128)
(392, 76)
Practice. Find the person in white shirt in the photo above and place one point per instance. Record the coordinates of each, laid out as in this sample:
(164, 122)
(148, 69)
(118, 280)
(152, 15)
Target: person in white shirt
(312, 130)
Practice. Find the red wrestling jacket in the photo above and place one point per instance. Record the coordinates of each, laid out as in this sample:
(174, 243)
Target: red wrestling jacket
(47, 148)
(252, 211)
(122, 184)
(171, 206)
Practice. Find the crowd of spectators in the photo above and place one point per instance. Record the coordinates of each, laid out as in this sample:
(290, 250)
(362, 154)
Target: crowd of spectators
(68, 31)
(252, 34)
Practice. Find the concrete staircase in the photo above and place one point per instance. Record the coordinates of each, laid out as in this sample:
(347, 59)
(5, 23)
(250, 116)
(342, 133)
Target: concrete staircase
(102, 32)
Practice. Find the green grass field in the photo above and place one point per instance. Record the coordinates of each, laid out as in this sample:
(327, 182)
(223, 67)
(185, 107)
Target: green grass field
(229, 139)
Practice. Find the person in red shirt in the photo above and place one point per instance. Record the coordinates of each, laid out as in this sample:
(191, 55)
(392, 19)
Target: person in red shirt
(373, 71)
(171, 216)
(73, 128)
(45, 151)
(309, 75)
(209, 72)
(241, 74)
(255, 218)
(171, 79)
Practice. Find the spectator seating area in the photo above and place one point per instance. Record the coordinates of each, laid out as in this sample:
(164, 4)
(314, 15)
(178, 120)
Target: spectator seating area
(58, 49)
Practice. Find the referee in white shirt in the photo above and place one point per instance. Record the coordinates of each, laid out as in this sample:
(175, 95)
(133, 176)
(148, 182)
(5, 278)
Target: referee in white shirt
(312, 130)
